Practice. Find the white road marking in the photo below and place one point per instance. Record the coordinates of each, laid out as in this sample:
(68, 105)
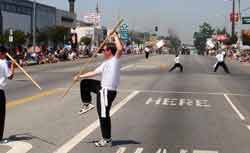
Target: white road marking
(183, 151)
(161, 150)
(121, 150)
(184, 92)
(65, 148)
(248, 126)
(126, 67)
(139, 150)
(149, 101)
(158, 101)
(204, 151)
(234, 107)
(19, 147)
(176, 92)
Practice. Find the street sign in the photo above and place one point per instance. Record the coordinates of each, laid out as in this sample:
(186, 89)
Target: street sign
(124, 32)
(11, 39)
(246, 20)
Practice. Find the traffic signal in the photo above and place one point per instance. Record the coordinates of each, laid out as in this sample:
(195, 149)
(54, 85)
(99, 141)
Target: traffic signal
(156, 28)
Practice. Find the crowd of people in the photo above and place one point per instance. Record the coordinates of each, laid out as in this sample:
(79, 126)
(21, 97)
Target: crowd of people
(241, 56)
(44, 55)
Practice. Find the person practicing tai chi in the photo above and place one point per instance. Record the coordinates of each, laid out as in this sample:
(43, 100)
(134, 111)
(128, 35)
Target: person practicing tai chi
(221, 62)
(5, 73)
(146, 50)
(105, 89)
(177, 64)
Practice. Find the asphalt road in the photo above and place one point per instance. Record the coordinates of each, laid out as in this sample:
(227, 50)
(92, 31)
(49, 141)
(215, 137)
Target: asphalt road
(156, 111)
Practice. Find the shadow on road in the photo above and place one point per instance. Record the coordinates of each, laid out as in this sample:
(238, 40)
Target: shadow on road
(27, 136)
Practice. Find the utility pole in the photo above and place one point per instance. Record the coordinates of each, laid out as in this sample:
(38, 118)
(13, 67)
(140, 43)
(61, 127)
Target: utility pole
(233, 19)
(34, 25)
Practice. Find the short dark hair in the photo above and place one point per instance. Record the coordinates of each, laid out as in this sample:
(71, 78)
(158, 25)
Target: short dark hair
(3, 49)
(112, 47)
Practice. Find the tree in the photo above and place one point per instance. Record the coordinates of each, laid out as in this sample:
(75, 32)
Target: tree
(43, 36)
(4, 38)
(85, 40)
(19, 38)
(57, 34)
(205, 31)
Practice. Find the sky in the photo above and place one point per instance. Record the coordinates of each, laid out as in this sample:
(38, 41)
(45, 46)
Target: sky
(181, 16)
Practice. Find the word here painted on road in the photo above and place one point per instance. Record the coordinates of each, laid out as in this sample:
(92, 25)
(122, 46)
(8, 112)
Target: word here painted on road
(163, 150)
(178, 102)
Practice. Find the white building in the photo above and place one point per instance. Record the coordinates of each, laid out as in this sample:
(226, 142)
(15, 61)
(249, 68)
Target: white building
(96, 33)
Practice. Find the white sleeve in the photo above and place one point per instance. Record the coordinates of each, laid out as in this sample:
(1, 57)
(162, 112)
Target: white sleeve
(6, 70)
(99, 69)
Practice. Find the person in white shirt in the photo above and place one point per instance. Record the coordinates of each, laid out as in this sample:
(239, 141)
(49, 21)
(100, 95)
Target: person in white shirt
(5, 73)
(147, 50)
(105, 89)
(177, 64)
(221, 62)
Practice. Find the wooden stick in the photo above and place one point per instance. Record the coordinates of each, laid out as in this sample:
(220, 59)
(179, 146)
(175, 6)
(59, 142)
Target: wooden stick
(95, 53)
(31, 79)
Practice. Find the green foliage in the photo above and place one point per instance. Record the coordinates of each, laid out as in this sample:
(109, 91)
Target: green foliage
(205, 31)
(85, 40)
(56, 34)
(19, 37)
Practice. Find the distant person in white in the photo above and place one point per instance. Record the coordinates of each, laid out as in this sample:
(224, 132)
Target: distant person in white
(5, 73)
(105, 89)
(221, 62)
(147, 50)
(177, 64)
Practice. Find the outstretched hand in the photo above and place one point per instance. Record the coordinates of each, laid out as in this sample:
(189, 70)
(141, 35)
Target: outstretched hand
(76, 78)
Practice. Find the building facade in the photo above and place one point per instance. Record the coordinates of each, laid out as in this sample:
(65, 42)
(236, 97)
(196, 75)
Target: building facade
(18, 15)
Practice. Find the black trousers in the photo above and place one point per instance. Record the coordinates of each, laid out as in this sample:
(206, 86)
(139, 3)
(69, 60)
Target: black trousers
(175, 66)
(223, 64)
(146, 55)
(2, 112)
(87, 86)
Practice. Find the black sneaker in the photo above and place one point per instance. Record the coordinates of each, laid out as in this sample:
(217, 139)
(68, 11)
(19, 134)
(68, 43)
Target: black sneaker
(85, 108)
(104, 143)
(4, 141)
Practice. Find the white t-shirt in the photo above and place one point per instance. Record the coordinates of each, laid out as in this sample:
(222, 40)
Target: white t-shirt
(177, 59)
(4, 73)
(110, 70)
(147, 49)
(220, 57)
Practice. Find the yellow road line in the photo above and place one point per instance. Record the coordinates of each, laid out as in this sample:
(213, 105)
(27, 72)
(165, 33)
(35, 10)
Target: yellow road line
(14, 103)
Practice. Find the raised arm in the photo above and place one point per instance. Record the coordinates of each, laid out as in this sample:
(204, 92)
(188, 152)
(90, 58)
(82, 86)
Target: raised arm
(119, 45)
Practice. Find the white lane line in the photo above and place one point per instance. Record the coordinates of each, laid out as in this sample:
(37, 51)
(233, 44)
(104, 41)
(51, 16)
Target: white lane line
(234, 107)
(163, 150)
(175, 92)
(248, 126)
(65, 148)
(126, 67)
(18, 147)
(139, 150)
(121, 150)
(204, 151)
(149, 101)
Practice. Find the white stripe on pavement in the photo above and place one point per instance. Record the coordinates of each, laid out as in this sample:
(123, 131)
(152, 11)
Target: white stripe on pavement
(248, 126)
(19, 147)
(126, 67)
(175, 92)
(204, 151)
(65, 148)
(184, 92)
(121, 150)
(139, 150)
(234, 107)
